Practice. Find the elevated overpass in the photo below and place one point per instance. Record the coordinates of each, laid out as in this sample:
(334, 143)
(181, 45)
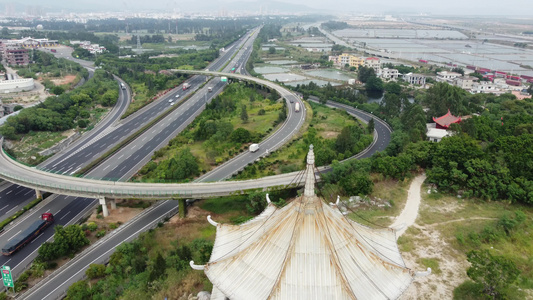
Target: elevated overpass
(40, 180)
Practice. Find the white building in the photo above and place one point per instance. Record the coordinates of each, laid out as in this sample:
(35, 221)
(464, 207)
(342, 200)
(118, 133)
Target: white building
(374, 63)
(387, 73)
(484, 87)
(446, 76)
(413, 78)
(435, 134)
(465, 82)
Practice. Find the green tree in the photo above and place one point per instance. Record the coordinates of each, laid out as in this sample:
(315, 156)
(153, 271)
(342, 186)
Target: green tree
(356, 184)
(494, 273)
(364, 73)
(79, 291)
(95, 271)
(257, 203)
(370, 126)
(374, 84)
(241, 136)
(442, 97)
(458, 70)
(272, 50)
(158, 268)
(58, 90)
(244, 114)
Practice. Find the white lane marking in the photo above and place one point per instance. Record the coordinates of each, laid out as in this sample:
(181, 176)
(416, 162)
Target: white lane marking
(36, 238)
(30, 191)
(75, 171)
(134, 146)
(64, 215)
(4, 207)
(106, 167)
(143, 139)
(7, 212)
(9, 192)
(120, 156)
(14, 235)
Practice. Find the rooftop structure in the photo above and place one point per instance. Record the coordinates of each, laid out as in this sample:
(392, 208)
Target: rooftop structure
(305, 250)
(445, 121)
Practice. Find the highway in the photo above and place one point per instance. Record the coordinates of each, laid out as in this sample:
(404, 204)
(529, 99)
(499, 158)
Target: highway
(56, 284)
(70, 209)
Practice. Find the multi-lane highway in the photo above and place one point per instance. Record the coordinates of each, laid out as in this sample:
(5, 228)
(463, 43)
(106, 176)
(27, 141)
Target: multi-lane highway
(125, 161)
(69, 209)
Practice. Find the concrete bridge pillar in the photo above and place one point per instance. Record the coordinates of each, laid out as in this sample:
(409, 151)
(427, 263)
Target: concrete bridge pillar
(105, 212)
(113, 203)
(38, 194)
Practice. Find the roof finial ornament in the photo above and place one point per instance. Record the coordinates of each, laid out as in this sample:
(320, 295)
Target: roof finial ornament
(196, 267)
(423, 273)
(309, 190)
(211, 221)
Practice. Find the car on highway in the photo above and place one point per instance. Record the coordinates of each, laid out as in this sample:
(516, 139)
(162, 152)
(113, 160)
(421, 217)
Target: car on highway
(171, 103)
(177, 96)
(170, 100)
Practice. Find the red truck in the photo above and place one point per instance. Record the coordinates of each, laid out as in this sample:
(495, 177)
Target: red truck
(28, 234)
(186, 86)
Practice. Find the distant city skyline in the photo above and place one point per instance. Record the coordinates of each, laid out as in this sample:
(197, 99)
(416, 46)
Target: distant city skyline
(450, 7)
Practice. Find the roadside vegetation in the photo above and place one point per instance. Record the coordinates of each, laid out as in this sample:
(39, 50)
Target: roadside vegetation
(237, 117)
(151, 77)
(156, 265)
(334, 134)
(38, 127)
(51, 70)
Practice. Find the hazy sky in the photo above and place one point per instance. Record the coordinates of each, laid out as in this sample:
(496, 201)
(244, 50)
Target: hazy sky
(438, 7)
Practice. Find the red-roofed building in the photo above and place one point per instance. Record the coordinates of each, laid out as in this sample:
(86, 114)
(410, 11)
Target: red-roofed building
(374, 63)
(445, 121)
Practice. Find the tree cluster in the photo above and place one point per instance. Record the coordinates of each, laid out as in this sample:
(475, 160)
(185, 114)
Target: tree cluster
(62, 112)
(140, 268)
(67, 241)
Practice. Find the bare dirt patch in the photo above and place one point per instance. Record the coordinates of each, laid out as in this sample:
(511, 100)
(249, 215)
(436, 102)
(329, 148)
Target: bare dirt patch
(64, 80)
(428, 243)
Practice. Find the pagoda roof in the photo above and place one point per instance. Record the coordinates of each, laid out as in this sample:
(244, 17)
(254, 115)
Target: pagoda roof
(446, 120)
(305, 250)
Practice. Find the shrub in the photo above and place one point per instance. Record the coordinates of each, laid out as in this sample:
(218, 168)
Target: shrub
(95, 271)
(100, 233)
(92, 226)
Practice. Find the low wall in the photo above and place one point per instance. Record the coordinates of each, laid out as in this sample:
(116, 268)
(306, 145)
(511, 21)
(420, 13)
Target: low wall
(16, 85)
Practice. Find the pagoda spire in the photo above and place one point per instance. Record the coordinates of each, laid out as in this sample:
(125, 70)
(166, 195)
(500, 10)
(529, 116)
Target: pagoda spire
(309, 190)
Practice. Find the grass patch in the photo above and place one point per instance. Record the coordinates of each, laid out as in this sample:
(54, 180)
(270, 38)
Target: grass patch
(326, 124)
(476, 225)
(213, 137)
(432, 263)
(225, 204)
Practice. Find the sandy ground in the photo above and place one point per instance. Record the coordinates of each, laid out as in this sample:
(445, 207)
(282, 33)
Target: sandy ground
(64, 80)
(429, 244)
(409, 213)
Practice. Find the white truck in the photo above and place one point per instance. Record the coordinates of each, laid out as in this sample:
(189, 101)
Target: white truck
(209, 89)
(186, 85)
(297, 107)
(254, 147)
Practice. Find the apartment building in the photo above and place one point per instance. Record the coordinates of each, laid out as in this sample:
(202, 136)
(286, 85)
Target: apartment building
(374, 63)
(413, 78)
(387, 73)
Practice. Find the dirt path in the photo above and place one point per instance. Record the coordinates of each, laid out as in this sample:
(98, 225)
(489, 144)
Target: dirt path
(409, 213)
